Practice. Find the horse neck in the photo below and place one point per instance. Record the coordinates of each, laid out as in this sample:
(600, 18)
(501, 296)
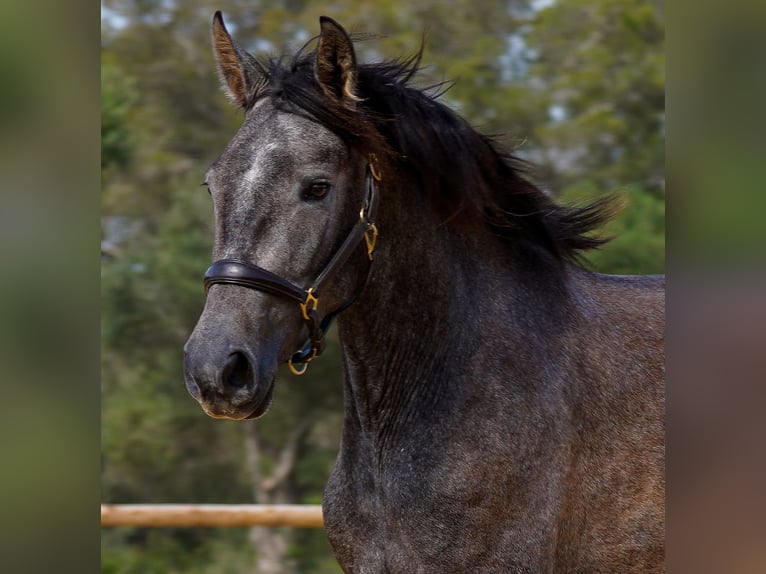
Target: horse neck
(434, 294)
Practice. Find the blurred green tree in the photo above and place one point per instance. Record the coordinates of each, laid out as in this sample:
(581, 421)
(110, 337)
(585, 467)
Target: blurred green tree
(599, 72)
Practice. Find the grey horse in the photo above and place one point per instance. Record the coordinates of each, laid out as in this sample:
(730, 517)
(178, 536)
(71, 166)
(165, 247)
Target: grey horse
(504, 406)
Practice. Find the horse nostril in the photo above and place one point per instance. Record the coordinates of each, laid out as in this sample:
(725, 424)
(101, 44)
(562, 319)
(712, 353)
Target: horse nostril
(237, 372)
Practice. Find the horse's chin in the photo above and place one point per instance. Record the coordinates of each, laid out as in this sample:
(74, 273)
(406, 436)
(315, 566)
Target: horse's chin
(254, 409)
(264, 407)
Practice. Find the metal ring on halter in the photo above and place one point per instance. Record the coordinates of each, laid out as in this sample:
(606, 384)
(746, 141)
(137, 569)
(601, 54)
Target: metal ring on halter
(295, 371)
(372, 161)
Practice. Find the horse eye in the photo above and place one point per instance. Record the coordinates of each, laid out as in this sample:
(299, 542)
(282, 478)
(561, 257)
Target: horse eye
(316, 190)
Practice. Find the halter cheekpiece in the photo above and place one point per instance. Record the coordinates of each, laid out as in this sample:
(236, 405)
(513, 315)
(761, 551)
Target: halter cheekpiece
(234, 272)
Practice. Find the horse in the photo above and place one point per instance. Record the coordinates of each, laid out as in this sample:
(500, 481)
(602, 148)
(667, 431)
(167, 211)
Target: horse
(503, 403)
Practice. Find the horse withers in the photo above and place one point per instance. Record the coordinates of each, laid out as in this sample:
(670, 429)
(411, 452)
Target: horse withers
(504, 406)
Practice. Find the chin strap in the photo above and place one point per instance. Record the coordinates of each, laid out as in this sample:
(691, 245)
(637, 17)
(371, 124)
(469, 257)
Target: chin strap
(235, 272)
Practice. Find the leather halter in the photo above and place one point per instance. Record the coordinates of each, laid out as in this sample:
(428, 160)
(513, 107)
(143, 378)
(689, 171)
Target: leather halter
(235, 272)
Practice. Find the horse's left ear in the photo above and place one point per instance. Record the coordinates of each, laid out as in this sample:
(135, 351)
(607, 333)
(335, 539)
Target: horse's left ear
(240, 73)
(335, 66)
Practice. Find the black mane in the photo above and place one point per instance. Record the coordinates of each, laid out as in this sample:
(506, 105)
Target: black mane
(467, 175)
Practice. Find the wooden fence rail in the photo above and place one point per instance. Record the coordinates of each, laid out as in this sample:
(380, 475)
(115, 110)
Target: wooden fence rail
(181, 515)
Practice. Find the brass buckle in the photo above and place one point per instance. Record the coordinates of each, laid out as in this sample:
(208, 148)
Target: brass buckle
(373, 169)
(310, 304)
(370, 238)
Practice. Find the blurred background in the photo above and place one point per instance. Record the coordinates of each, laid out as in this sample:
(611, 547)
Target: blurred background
(575, 86)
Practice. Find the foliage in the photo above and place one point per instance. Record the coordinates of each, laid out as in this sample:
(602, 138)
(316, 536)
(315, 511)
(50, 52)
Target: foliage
(187, 551)
(600, 67)
(577, 86)
(117, 97)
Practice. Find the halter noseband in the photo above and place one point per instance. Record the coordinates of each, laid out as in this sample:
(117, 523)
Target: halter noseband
(234, 272)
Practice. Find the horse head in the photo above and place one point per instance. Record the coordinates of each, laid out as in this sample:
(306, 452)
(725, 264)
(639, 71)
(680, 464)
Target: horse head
(292, 203)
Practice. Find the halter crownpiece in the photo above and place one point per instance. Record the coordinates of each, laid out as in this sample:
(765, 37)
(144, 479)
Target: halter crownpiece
(235, 272)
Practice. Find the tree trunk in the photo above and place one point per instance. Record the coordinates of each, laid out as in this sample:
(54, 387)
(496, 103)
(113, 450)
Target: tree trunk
(271, 543)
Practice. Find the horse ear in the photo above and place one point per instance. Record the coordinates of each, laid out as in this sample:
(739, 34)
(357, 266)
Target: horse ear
(239, 71)
(335, 66)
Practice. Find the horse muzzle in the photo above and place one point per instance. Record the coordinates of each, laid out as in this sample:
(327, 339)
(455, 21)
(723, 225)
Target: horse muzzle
(228, 384)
